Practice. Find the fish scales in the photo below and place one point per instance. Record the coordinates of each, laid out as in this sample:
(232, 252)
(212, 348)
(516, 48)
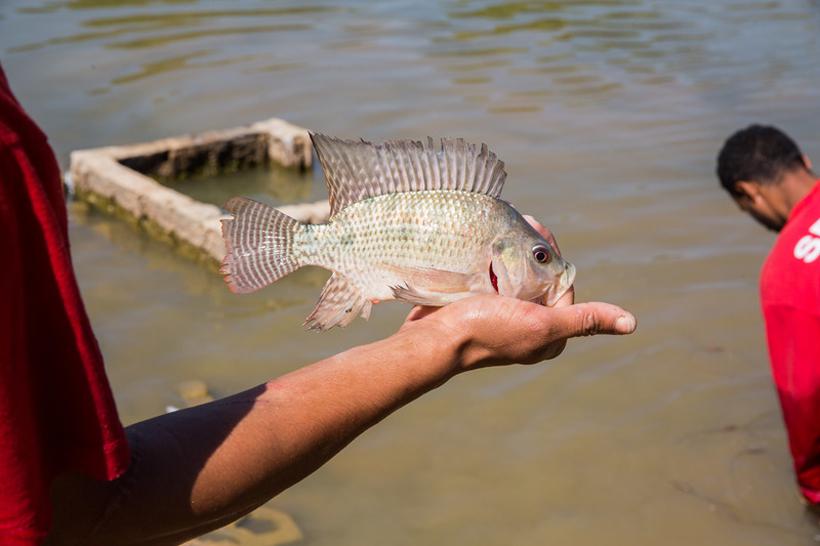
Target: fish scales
(410, 221)
(429, 229)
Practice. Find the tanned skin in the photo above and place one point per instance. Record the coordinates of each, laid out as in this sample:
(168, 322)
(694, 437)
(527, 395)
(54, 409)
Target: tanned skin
(198, 469)
(770, 204)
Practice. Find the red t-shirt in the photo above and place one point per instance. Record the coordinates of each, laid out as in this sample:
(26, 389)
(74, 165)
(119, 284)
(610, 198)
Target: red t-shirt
(56, 409)
(790, 297)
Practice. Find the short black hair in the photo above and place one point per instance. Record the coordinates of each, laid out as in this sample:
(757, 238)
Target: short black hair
(760, 153)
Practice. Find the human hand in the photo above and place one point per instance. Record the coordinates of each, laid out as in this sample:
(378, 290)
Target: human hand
(495, 330)
(491, 330)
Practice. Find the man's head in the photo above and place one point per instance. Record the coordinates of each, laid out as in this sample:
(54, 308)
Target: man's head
(753, 166)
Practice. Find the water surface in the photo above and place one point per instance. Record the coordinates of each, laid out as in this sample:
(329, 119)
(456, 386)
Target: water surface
(608, 113)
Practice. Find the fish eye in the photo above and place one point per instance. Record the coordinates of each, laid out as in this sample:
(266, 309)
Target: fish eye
(541, 254)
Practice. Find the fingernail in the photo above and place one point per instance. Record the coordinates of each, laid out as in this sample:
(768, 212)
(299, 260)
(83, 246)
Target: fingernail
(625, 324)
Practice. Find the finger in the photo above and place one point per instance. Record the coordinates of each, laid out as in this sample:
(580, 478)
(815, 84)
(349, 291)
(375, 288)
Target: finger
(554, 350)
(419, 312)
(544, 231)
(567, 299)
(587, 319)
(538, 226)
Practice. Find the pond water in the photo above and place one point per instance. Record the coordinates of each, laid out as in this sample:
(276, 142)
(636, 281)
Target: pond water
(608, 114)
(271, 184)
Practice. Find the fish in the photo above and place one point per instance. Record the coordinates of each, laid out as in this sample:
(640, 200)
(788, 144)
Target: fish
(419, 222)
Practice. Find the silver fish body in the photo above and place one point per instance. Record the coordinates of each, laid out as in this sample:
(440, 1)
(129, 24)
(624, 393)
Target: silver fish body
(443, 236)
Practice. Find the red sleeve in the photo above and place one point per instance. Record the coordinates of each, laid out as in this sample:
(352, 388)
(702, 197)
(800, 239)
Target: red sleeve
(794, 349)
(57, 413)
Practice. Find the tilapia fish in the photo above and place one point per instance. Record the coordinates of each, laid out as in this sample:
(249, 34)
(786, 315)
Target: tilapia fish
(411, 221)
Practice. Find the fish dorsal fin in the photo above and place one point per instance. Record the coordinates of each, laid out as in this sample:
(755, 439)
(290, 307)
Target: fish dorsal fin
(357, 170)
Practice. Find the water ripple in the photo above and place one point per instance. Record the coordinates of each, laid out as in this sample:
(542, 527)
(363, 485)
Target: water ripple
(165, 39)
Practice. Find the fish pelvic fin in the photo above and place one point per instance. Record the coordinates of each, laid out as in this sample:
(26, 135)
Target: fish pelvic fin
(340, 303)
(358, 170)
(259, 241)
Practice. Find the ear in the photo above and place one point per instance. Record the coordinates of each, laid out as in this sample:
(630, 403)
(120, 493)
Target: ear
(807, 162)
(747, 191)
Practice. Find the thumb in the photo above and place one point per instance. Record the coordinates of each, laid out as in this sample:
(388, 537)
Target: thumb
(587, 319)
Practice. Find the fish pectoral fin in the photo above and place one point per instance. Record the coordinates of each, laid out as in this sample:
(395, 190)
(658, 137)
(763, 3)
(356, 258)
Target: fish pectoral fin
(432, 279)
(340, 303)
(410, 295)
(414, 296)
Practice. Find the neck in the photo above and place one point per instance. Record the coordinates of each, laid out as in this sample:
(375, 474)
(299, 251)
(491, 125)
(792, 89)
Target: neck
(796, 185)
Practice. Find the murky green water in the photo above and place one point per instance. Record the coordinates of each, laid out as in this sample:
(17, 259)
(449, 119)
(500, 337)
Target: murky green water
(608, 113)
(273, 184)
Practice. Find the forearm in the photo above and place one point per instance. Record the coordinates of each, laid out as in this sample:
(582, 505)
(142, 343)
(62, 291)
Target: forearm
(297, 422)
(197, 469)
(200, 468)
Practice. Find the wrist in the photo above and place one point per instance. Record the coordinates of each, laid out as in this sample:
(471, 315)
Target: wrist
(445, 348)
(432, 347)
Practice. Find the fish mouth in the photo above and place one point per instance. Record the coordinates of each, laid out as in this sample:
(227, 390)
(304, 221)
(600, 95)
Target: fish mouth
(493, 278)
(565, 281)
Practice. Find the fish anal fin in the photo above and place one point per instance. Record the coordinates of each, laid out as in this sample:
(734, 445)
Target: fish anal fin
(340, 303)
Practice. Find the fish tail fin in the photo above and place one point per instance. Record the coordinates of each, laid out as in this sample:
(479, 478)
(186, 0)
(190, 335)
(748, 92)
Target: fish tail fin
(260, 245)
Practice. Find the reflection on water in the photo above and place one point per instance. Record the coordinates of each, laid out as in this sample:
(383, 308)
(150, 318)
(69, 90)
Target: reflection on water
(604, 43)
(143, 24)
(608, 114)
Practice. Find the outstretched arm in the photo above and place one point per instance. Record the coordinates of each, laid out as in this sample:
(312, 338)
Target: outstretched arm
(198, 469)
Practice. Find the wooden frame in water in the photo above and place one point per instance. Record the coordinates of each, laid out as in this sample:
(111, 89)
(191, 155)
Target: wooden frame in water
(126, 180)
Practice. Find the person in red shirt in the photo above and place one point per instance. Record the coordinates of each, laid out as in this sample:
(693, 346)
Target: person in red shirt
(771, 179)
(70, 473)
